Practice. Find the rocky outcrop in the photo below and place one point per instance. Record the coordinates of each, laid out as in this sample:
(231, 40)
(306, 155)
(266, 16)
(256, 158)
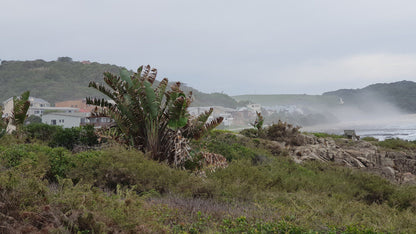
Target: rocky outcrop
(398, 166)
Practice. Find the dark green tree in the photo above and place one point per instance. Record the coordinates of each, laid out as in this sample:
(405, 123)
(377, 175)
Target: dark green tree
(64, 59)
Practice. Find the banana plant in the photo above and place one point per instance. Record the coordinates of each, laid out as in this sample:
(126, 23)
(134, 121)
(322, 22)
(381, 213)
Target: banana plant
(148, 116)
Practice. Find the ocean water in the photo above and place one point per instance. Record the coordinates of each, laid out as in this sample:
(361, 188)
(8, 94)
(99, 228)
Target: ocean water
(400, 126)
(382, 134)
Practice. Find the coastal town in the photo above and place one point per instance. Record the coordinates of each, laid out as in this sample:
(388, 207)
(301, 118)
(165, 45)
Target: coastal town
(75, 113)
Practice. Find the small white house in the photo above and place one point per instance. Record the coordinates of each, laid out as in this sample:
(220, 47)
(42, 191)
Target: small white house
(66, 120)
(254, 107)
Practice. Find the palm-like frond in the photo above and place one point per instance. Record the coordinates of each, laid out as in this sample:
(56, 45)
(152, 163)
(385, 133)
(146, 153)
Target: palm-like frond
(20, 107)
(147, 117)
(197, 127)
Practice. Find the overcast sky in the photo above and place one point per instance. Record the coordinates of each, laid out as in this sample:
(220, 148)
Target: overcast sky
(235, 47)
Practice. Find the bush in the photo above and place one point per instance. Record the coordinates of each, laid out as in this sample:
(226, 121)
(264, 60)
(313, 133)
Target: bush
(397, 144)
(117, 166)
(249, 132)
(41, 131)
(282, 131)
(325, 135)
(369, 139)
(231, 146)
(57, 161)
(71, 137)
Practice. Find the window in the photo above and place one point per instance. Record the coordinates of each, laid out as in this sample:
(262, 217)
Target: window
(53, 121)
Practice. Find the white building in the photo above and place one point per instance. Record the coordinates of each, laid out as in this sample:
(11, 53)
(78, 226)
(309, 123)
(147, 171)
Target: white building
(66, 120)
(254, 107)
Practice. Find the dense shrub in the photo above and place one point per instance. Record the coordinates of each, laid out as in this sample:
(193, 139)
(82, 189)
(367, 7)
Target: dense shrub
(56, 161)
(231, 146)
(71, 137)
(249, 132)
(397, 144)
(56, 136)
(325, 135)
(118, 166)
(369, 139)
(41, 131)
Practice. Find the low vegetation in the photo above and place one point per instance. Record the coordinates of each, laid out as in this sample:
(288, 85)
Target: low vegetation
(115, 189)
(78, 180)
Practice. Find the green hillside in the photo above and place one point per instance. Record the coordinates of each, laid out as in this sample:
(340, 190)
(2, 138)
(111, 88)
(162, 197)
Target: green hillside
(66, 79)
(401, 94)
(289, 99)
(53, 81)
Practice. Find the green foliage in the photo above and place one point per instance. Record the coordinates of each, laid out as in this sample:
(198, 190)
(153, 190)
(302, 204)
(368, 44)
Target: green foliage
(116, 190)
(117, 166)
(56, 161)
(61, 162)
(33, 119)
(397, 144)
(281, 131)
(53, 81)
(258, 123)
(289, 99)
(119, 190)
(327, 135)
(20, 107)
(233, 146)
(64, 59)
(71, 137)
(213, 99)
(149, 118)
(249, 132)
(369, 139)
(41, 131)
(399, 94)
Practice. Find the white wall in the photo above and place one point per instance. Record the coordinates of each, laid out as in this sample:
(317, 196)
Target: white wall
(62, 120)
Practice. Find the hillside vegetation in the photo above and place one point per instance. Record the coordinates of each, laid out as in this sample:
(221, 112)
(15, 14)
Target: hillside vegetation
(114, 189)
(289, 99)
(401, 94)
(66, 79)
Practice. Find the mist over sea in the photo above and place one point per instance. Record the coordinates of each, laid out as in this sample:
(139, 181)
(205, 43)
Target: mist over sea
(397, 126)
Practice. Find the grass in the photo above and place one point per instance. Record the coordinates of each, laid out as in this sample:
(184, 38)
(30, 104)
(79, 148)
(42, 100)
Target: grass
(397, 144)
(325, 135)
(120, 190)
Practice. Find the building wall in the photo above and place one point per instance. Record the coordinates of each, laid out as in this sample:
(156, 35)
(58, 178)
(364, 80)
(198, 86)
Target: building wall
(8, 107)
(62, 120)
